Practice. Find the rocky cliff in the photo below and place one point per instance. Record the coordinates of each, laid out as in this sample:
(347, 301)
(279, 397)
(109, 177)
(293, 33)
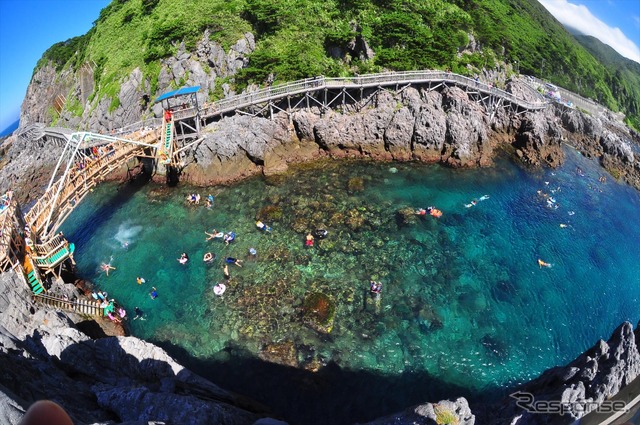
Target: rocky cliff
(43, 355)
(429, 126)
(68, 98)
(593, 377)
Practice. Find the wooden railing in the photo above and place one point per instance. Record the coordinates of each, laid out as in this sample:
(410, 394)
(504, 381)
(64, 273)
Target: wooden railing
(77, 184)
(363, 81)
(8, 253)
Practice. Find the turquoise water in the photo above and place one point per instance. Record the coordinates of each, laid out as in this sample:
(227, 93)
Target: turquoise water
(465, 308)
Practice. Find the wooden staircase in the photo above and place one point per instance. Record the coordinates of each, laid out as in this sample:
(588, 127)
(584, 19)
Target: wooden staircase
(84, 307)
(33, 278)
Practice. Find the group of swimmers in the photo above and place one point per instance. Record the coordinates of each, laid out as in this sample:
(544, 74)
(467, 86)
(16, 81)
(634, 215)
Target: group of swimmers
(194, 199)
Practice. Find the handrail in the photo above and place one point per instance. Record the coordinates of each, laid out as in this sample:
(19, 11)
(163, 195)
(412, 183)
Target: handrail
(318, 83)
(368, 80)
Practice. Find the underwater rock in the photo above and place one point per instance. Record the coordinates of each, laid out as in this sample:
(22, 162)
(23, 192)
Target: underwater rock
(355, 184)
(283, 353)
(270, 213)
(319, 312)
(300, 225)
(406, 216)
(354, 220)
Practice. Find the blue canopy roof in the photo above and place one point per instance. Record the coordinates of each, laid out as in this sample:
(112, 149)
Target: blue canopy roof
(175, 93)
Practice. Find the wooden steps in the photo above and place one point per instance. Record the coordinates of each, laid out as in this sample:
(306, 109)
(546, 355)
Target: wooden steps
(34, 282)
(84, 307)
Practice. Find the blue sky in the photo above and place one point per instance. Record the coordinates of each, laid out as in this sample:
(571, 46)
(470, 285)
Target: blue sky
(614, 22)
(29, 27)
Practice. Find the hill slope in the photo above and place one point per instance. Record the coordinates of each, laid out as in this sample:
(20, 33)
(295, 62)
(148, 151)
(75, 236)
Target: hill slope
(305, 38)
(626, 84)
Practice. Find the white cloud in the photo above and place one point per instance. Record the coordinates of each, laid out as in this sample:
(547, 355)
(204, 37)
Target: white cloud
(580, 18)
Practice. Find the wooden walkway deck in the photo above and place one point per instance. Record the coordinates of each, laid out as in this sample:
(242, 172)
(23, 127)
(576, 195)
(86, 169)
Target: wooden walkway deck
(321, 86)
(83, 172)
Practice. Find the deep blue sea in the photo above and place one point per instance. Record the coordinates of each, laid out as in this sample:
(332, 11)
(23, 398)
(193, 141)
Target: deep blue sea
(465, 309)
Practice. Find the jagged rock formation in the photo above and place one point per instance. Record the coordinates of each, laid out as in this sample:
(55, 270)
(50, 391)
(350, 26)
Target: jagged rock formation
(594, 376)
(108, 380)
(444, 127)
(415, 124)
(51, 93)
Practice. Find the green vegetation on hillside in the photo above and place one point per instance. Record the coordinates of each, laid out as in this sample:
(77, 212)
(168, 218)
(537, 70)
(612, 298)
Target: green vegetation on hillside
(623, 78)
(303, 38)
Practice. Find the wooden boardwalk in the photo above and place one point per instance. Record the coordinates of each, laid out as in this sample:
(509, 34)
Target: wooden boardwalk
(328, 92)
(82, 173)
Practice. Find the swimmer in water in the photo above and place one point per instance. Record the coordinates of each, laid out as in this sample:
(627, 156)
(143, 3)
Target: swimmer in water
(105, 267)
(562, 225)
(183, 258)
(213, 235)
(139, 314)
(154, 293)
(474, 202)
(543, 264)
(484, 197)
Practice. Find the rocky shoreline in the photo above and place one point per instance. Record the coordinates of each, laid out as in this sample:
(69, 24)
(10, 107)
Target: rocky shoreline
(43, 354)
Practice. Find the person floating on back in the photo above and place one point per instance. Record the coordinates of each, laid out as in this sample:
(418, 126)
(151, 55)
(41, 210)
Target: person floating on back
(140, 280)
(106, 267)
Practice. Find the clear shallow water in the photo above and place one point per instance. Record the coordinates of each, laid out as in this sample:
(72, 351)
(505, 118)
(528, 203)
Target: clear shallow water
(465, 309)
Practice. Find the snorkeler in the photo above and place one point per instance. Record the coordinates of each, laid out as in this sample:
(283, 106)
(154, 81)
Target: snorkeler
(219, 289)
(484, 197)
(232, 260)
(213, 235)
(320, 233)
(139, 314)
(543, 264)
(140, 280)
(434, 212)
(229, 237)
(473, 203)
(309, 240)
(106, 267)
(375, 287)
(183, 258)
(260, 225)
